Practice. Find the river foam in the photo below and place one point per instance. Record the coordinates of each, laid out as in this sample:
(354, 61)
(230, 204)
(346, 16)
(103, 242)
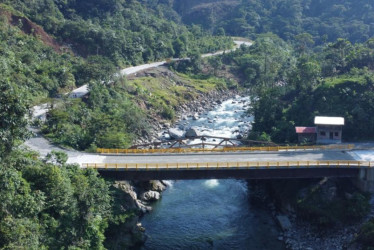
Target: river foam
(211, 183)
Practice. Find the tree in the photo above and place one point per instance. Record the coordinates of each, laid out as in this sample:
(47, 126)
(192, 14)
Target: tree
(19, 208)
(306, 74)
(304, 41)
(56, 157)
(335, 57)
(179, 48)
(13, 120)
(216, 63)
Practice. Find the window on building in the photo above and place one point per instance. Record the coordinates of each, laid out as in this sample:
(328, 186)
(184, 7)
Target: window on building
(322, 133)
(336, 133)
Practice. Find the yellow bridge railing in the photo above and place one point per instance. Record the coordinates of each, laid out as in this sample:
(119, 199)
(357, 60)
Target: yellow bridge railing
(224, 149)
(230, 165)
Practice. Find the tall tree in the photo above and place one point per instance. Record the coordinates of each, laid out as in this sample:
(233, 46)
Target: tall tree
(13, 116)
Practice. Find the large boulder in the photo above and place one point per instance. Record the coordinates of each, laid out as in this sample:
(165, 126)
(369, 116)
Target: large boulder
(157, 186)
(176, 133)
(150, 196)
(192, 132)
(126, 194)
(153, 185)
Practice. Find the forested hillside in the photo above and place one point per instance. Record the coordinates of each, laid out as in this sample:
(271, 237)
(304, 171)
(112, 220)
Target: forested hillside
(326, 20)
(49, 48)
(125, 31)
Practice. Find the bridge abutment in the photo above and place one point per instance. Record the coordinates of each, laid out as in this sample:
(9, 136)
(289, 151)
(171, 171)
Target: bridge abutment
(365, 180)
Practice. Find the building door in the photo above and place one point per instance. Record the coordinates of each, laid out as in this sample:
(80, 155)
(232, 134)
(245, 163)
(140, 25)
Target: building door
(331, 135)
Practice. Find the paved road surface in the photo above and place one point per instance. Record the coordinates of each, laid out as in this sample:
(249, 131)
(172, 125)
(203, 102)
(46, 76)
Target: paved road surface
(219, 157)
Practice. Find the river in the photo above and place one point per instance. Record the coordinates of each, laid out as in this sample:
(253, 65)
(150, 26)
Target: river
(211, 214)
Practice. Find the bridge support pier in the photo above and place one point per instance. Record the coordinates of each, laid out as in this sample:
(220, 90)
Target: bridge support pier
(365, 180)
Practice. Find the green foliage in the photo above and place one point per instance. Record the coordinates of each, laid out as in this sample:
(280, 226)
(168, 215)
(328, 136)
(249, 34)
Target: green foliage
(97, 68)
(18, 210)
(325, 213)
(109, 35)
(56, 157)
(323, 203)
(167, 113)
(263, 65)
(290, 19)
(259, 137)
(45, 206)
(125, 32)
(106, 119)
(13, 120)
(334, 82)
(28, 63)
(366, 235)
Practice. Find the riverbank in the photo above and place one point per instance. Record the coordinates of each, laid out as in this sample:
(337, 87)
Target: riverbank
(133, 200)
(331, 219)
(191, 103)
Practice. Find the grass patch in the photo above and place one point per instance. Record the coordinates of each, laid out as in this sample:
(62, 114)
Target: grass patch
(164, 94)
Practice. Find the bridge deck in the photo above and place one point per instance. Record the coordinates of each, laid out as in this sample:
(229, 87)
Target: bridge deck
(246, 170)
(247, 165)
(229, 165)
(223, 157)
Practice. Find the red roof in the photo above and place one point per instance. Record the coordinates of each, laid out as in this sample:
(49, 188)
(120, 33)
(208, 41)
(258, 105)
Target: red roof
(305, 130)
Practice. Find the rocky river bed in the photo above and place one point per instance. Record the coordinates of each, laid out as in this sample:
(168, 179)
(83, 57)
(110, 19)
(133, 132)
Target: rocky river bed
(227, 119)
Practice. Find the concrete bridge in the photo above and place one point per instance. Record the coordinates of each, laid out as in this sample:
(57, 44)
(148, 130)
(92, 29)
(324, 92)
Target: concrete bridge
(225, 170)
(276, 163)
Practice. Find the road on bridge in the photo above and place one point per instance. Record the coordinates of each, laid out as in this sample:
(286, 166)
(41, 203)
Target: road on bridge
(219, 157)
(297, 164)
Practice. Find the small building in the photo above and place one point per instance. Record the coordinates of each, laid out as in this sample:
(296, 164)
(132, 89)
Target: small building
(329, 129)
(306, 134)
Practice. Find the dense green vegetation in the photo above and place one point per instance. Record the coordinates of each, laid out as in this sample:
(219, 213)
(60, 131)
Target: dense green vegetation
(326, 20)
(366, 235)
(49, 204)
(107, 119)
(126, 32)
(325, 204)
(107, 35)
(28, 63)
(292, 84)
(45, 205)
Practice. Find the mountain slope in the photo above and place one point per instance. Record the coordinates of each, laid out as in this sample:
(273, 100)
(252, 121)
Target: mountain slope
(324, 19)
(126, 32)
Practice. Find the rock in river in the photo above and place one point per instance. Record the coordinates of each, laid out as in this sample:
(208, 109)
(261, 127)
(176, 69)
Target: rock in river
(176, 133)
(150, 196)
(192, 132)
